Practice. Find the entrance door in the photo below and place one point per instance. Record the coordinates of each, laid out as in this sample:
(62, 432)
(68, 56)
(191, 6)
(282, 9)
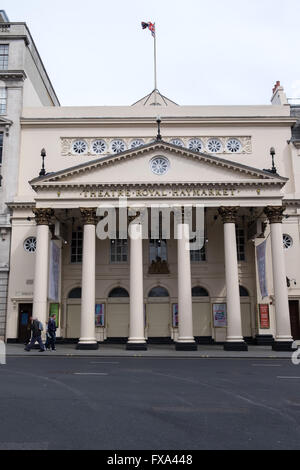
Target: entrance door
(117, 320)
(246, 320)
(25, 312)
(294, 317)
(158, 320)
(73, 321)
(201, 319)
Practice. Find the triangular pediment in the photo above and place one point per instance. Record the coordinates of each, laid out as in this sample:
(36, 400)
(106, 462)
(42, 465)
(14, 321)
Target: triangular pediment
(135, 167)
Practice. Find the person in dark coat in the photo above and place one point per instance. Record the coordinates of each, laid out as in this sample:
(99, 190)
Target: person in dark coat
(51, 333)
(36, 329)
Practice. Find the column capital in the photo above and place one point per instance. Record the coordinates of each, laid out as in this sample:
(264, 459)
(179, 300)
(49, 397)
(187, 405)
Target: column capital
(43, 216)
(274, 214)
(88, 216)
(228, 214)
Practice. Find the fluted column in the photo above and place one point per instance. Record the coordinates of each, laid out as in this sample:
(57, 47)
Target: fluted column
(136, 339)
(87, 330)
(234, 338)
(283, 338)
(40, 295)
(186, 340)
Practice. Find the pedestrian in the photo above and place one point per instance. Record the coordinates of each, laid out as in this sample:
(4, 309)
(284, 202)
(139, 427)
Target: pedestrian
(36, 329)
(51, 333)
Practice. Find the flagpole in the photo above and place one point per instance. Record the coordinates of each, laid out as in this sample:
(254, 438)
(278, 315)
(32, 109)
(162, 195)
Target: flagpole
(155, 71)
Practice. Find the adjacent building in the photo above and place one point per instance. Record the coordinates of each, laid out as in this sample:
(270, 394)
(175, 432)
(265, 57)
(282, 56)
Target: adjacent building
(23, 82)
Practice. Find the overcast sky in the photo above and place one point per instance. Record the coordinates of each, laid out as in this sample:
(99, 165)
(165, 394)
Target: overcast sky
(209, 52)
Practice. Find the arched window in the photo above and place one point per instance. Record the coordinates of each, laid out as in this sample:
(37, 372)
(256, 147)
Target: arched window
(158, 292)
(243, 292)
(199, 292)
(118, 292)
(75, 293)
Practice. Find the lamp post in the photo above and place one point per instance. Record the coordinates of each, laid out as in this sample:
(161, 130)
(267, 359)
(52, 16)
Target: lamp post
(158, 120)
(273, 170)
(43, 155)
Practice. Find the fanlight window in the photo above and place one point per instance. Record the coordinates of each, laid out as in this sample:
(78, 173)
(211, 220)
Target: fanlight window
(118, 292)
(243, 292)
(199, 292)
(158, 292)
(75, 293)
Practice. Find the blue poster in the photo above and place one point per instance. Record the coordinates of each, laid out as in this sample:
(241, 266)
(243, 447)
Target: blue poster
(261, 267)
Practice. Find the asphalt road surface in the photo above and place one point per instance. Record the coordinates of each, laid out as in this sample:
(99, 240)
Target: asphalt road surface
(149, 403)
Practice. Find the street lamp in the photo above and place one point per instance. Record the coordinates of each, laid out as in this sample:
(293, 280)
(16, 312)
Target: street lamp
(43, 155)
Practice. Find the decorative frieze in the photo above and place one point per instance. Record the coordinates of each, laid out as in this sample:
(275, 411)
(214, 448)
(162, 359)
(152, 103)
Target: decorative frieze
(97, 146)
(43, 216)
(228, 214)
(275, 214)
(88, 216)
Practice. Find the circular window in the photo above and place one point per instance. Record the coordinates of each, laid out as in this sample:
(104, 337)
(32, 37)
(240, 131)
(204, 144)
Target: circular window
(79, 147)
(30, 245)
(196, 145)
(99, 146)
(177, 142)
(287, 241)
(233, 146)
(136, 143)
(214, 145)
(118, 146)
(159, 165)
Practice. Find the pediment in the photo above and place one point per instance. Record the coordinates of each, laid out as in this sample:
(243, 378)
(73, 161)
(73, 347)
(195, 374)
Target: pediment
(133, 167)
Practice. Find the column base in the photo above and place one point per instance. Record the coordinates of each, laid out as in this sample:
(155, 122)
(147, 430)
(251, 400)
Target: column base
(282, 346)
(136, 347)
(87, 346)
(235, 346)
(186, 346)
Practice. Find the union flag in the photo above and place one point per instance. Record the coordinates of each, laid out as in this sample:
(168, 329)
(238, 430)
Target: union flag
(150, 26)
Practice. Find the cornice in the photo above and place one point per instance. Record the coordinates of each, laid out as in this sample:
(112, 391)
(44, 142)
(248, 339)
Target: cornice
(20, 205)
(182, 120)
(13, 75)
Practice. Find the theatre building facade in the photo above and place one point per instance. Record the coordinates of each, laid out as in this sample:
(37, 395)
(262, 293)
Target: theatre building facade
(115, 165)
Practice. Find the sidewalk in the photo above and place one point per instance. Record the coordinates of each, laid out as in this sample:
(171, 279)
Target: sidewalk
(161, 351)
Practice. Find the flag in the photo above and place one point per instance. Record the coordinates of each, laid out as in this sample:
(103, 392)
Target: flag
(149, 25)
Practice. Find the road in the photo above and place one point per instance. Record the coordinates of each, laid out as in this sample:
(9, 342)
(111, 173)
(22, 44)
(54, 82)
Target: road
(149, 403)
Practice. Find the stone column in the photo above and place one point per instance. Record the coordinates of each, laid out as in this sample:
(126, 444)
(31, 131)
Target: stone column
(283, 338)
(234, 338)
(136, 341)
(40, 296)
(87, 331)
(186, 340)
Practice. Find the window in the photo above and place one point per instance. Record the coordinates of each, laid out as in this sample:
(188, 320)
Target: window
(287, 241)
(3, 57)
(158, 292)
(243, 292)
(2, 100)
(118, 292)
(118, 251)
(76, 246)
(199, 291)
(157, 249)
(30, 245)
(75, 293)
(214, 145)
(79, 147)
(240, 244)
(198, 255)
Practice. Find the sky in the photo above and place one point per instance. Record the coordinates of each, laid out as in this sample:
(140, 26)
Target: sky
(209, 52)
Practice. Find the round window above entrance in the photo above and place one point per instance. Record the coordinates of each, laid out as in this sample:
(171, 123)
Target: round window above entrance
(159, 165)
(30, 245)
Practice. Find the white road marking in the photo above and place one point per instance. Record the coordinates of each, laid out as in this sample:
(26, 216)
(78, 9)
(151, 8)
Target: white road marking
(281, 377)
(89, 373)
(104, 363)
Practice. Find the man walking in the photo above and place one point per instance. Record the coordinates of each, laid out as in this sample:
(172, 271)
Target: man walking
(36, 329)
(51, 333)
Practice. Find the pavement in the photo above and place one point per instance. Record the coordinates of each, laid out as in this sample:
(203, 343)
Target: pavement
(154, 350)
